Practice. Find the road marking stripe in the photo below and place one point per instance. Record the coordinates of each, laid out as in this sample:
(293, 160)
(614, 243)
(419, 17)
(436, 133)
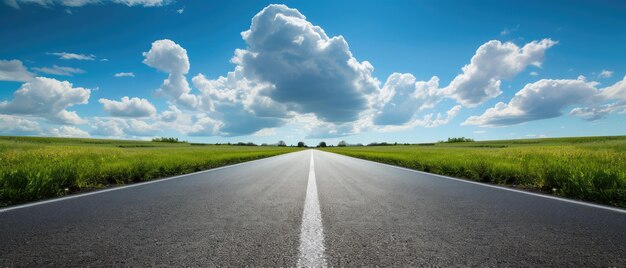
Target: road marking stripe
(494, 186)
(312, 232)
(131, 185)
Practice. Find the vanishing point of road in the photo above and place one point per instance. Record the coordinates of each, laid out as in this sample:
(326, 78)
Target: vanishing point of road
(311, 208)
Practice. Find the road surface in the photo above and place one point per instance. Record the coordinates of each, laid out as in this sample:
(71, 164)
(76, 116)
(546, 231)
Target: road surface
(311, 208)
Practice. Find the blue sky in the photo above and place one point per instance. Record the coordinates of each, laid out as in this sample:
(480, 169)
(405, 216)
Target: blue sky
(564, 60)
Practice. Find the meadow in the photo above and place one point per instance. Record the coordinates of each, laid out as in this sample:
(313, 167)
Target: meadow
(34, 168)
(586, 168)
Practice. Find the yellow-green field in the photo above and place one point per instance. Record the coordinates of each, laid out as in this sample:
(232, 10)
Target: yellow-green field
(37, 168)
(587, 168)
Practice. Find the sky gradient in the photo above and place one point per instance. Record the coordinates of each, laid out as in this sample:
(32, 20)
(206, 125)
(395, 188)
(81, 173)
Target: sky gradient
(360, 71)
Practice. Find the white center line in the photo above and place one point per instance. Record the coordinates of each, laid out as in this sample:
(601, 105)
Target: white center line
(312, 232)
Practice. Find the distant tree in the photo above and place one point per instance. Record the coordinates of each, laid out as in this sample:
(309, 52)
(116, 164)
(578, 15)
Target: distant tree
(245, 144)
(378, 144)
(263, 144)
(342, 144)
(461, 139)
(165, 139)
(281, 143)
(322, 144)
(301, 144)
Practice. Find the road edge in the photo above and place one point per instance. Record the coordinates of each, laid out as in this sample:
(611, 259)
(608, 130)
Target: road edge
(115, 188)
(562, 199)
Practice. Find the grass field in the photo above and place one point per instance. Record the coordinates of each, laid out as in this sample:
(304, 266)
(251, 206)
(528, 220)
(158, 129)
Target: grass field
(587, 168)
(37, 168)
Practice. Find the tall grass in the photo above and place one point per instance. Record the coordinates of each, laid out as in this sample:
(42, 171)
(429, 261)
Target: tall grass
(590, 168)
(38, 168)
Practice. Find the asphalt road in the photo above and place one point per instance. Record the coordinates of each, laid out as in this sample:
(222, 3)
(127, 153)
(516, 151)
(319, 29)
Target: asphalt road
(343, 212)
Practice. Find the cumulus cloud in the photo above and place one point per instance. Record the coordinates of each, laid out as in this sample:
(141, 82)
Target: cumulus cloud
(546, 98)
(291, 70)
(119, 127)
(616, 91)
(597, 112)
(171, 58)
(122, 74)
(402, 97)
(429, 120)
(432, 120)
(172, 114)
(12, 125)
(129, 107)
(48, 98)
(78, 3)
(493, 62)
(59, 70)
(69, 132)
(108, 128)
(235, 102)
(289, 67)
(205, 126)
(73, 56)
(14, 70)
(308, 70)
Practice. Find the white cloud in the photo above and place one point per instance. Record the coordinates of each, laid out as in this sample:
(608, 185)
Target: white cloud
(73, 56)
(402, 97)
(108, 128)
(308, 71)
(605, 74)
(533, 73)
(597, 112)
(124, 74)
(266, 132)
(70, 132)
(543, 99)
(616, 91)
(48, 98)
(59, 70)
(494, 61)
(205, 126)
(78, 3)
(119, 128)
(129, 107)
(14, 125)
(141, 128)
(14, 70)
(180, 10)
(172, 114)
(289, 67)
(169, 57)
(430, 120)
(235, 102)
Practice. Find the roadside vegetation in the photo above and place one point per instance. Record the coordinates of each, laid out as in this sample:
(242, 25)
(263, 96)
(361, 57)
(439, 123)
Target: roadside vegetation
(34, 168)
(587, 168)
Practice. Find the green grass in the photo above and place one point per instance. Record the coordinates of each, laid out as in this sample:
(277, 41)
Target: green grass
(37, 168)
(586, 168)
